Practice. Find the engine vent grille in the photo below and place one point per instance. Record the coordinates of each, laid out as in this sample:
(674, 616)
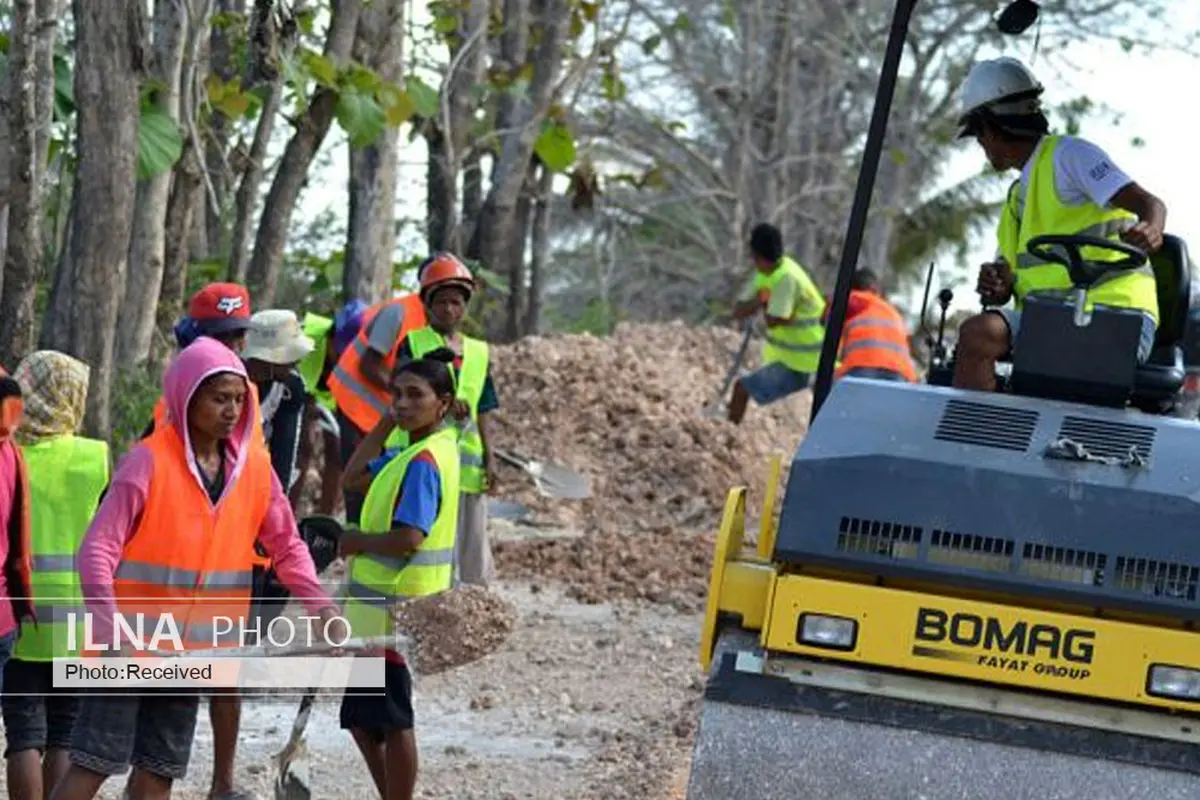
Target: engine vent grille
(1062, 564)
(1158, 578)
(986, 425)
(876, 538)
(1108, 439)
(971, 551)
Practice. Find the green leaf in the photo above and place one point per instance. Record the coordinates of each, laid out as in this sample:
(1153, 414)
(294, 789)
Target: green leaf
(423, 96)
(651, 43)
(577, 24)
(614, 87)
(590, 10)
(64, 88)
(445, 24)
(398, 107)
(1126, 44)
(683, 23)
(360, 116)
(160, 143)
(305, 20)
(321, 68)
(555, 147)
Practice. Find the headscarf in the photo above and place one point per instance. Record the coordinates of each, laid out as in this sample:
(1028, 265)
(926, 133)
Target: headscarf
(197, 362)
(55, 388)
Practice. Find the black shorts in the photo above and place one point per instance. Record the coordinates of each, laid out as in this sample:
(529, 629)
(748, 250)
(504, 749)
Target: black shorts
(36, 715)
(152, 732)
(378, 716)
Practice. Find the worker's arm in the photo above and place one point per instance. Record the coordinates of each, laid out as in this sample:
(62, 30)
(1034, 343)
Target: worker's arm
(1151, 212)
(489, 401)
(781, 302)
(382, 333)
(356, 476)
(749, 300)
(416, 511)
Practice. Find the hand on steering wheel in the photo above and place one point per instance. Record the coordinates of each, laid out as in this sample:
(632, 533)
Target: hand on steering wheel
(1066, 250)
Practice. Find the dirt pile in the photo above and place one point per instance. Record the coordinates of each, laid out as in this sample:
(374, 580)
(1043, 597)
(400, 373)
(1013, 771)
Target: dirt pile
(454, 628)
(625, 410)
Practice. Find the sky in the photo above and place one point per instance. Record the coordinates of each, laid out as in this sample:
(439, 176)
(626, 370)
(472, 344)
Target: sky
(1154, 94)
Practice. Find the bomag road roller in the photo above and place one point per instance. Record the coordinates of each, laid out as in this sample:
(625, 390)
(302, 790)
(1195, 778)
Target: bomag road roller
(968, 594)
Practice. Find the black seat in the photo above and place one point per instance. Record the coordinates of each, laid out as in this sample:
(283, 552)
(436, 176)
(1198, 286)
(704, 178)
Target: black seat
(1159, 380)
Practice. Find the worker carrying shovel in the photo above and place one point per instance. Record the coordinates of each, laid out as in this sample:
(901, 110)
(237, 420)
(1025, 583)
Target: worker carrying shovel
(792, 305)
(1068, 186)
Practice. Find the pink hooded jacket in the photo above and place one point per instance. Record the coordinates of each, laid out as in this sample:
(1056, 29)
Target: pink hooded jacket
(119, 512)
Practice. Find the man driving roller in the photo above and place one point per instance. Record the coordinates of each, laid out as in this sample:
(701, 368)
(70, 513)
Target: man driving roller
(1068, 186)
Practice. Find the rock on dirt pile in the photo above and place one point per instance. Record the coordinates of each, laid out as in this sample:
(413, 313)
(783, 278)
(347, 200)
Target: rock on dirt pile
(626, 410)
(454, 628)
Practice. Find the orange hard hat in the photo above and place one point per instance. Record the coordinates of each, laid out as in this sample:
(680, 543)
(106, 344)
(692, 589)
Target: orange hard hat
(445, 269)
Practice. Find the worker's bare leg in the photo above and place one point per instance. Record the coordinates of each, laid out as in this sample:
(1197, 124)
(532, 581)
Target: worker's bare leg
(225, 714)
(738, 403)
(79, 783)
(374, 753)
(148, 786)
(401, 765)
(54, 766)
(24, 774)
(982, 340)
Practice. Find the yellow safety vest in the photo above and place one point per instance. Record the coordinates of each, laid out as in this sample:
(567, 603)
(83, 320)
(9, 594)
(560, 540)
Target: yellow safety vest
(797, 344)
(1045, 213)
(469, 389)
(66, 477)
(376, 583)
(313, 364)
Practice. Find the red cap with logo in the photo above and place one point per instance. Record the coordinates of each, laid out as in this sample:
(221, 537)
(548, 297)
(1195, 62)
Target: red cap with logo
(221, 308)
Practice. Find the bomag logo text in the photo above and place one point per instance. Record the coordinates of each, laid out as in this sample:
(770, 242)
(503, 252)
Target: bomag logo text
(1017, 647)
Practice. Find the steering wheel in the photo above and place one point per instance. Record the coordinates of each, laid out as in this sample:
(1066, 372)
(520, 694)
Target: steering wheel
(1084, 273)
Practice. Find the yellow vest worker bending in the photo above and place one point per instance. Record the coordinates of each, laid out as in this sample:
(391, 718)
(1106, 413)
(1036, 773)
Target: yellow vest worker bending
(1068, 186)
(792, 305)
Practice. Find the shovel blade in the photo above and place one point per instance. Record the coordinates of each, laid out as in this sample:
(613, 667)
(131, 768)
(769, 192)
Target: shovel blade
(294, 781)
(560, 482)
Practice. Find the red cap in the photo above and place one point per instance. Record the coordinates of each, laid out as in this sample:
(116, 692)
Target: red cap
(221, 307)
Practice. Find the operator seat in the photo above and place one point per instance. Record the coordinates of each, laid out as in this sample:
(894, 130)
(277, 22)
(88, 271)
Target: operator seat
(1162, 376)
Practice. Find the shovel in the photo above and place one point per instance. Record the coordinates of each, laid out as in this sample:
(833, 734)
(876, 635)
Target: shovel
(292, 780)
(715, 409)
(552, 480)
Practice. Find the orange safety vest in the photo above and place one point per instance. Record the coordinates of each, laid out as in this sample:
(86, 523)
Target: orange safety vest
(876, 338)
(189, 558)
(361, 401)
(258, 439)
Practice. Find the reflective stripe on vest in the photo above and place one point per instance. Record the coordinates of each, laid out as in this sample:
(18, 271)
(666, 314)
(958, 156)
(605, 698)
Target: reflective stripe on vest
(469, 388)
(797, 343)
(1045, 213)
(361, 401)
(189, 558)
(66, 477)
(376, 583)
(312, 365)
(876, 338)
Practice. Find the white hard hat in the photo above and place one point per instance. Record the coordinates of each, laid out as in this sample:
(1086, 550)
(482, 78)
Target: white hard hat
(1004, 86)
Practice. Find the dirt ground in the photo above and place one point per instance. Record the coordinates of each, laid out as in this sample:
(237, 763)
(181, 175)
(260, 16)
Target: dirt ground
(583, 701)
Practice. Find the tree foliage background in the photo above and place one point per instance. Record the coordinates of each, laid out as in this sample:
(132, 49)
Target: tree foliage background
(594, 160)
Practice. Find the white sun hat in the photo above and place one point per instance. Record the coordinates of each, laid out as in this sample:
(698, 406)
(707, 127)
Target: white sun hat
(275, 336)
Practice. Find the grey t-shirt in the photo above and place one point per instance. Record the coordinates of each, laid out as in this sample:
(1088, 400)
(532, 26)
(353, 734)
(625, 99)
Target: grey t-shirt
(384, 329)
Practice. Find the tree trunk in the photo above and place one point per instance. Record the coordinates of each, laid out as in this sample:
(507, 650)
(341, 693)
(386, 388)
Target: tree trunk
(49, 13)
(494, 231)
(371, 229)
(184, 211)
(245, 202)
(56, 322)
(263, 274)
(472, 194)
(109, 63)
(149, 221)
(516, 256)
(539, 252)
(222, 61)
(24, 249)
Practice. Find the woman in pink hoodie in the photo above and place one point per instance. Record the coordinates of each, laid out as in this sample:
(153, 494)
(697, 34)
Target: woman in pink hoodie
(190, 494)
